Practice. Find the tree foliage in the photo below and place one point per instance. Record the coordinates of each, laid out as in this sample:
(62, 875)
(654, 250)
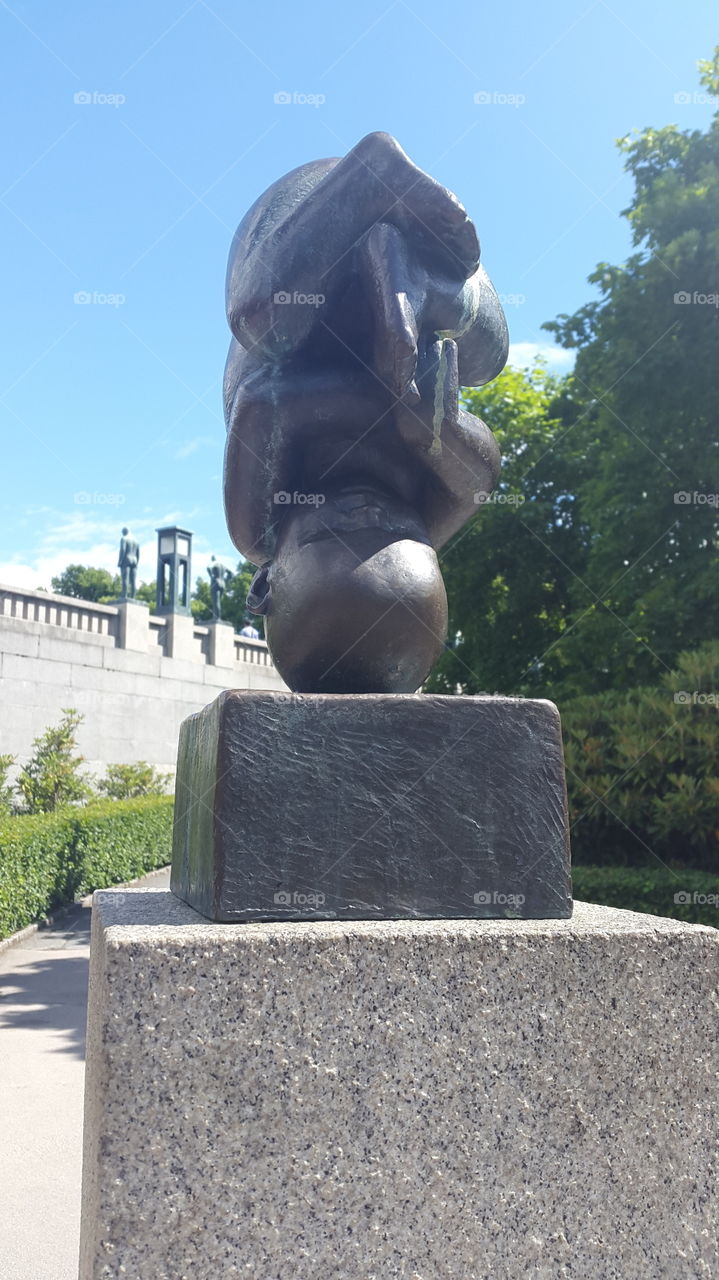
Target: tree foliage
(6, 791)
(147, 593)
(645, 382)
(85, 583)
(127, 781)
(52, 776)
(508, 572)
(603, 568)
(642, 769)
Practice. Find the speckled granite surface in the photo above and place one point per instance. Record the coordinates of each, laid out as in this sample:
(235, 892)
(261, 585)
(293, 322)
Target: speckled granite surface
(399, 1099)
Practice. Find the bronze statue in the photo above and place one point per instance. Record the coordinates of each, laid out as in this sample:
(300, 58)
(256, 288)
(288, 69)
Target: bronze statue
(358, 308)
(219, 576)
(127, 563)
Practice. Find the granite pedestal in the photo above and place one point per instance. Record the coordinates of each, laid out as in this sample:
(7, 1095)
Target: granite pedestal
(420, 1099)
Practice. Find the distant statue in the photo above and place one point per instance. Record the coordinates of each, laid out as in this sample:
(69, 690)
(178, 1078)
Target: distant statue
(219, 576)
(128, 561)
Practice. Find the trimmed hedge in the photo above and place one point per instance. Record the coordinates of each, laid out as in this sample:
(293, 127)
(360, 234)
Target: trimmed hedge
(651, 890)
(51, 858)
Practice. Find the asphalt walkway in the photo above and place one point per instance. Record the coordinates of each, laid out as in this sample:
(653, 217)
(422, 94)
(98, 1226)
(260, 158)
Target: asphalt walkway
(43, 1003)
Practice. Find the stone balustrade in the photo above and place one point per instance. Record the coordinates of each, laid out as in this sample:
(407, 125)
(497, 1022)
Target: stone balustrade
(58, 611)
(130, 625)
(134, 676)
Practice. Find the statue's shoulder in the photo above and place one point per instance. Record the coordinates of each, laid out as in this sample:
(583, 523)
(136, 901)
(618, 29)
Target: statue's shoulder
(277, 202)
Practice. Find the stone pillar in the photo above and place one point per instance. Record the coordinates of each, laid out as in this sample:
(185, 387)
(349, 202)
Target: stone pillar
(434, 1099)
(180, 637)
(133, 630)
(222, 644)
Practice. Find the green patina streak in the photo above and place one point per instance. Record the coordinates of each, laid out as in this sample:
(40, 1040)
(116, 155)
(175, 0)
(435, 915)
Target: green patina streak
(436, 446)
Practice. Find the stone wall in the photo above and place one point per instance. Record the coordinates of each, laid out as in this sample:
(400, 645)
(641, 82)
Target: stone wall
(134, 676)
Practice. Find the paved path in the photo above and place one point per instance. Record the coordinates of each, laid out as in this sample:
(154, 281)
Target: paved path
(43, 1000)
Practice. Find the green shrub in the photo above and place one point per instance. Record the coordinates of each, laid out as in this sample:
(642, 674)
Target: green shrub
(52, 778)
(120, 839)
(642, 769)
(37, 870)
(651, 889)
(126, 781)
(48, 859)
(5, 789)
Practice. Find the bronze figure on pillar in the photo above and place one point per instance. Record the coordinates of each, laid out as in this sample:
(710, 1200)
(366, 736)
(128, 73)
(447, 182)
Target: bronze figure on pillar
(358, 308)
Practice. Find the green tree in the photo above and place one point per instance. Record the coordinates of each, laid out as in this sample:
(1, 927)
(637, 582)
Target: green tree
(85, 583)
(508, 572)
(147, 593)
(604, 569)
(126, 781)
(52, 777)
(645, 385)
(6, 790)
(642, 768)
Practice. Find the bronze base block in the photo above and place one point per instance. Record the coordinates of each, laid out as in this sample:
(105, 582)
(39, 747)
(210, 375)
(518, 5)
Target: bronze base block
(371, 807)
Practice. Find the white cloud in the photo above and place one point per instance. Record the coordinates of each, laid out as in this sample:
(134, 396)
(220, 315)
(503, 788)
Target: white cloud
(191, 446)
(15, 574)
(523, 354)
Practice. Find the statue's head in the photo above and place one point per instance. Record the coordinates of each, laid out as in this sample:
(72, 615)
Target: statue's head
(125, 531)
(353, 598)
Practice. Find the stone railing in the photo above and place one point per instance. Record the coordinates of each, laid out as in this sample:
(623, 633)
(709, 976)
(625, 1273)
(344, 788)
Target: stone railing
(254, 651)
(156, 629)
(58, 611)
(129, 625)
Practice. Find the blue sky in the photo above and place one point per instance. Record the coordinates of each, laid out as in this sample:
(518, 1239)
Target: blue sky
(138, 134)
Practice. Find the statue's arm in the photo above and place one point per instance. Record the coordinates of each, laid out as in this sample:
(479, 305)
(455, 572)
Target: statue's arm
(455, 448)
